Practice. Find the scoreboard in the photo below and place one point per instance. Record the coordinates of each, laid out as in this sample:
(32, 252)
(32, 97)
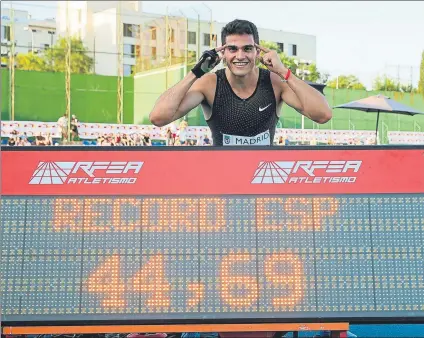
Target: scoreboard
(212, 235)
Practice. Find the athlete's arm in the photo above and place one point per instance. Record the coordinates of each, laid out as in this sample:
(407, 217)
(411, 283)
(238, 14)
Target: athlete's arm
(179, 100)
(306, 100)
(295, 92)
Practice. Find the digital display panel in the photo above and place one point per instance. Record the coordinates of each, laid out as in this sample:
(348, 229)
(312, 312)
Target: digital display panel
(241, 257)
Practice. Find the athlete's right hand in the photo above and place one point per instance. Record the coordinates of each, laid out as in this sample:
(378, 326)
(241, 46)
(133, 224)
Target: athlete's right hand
(208, 61)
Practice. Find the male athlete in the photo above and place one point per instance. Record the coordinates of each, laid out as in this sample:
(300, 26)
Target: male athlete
(241, 103)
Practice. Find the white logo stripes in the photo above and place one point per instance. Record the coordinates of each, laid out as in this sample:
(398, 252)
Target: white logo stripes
(70, 172)
(279, 172)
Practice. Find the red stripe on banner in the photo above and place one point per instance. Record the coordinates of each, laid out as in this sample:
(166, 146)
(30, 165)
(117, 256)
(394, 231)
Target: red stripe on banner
(214, 172)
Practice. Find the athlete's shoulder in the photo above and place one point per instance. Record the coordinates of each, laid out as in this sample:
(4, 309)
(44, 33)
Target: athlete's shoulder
(207, 80)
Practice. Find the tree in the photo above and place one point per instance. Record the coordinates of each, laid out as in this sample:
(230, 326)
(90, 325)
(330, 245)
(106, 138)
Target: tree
(346, 81)
(385, 83)
(30, 61)
(55, 57)
(421, 82)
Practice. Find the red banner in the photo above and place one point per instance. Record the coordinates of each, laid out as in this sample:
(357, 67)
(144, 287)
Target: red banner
(212, 172)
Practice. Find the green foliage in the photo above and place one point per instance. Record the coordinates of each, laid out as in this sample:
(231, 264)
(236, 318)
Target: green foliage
(346, 81)
(385, 83)
(55, 57)
(30, 61)
(421, 82)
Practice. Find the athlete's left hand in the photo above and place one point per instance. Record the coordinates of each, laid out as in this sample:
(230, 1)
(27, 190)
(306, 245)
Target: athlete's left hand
(272, 61)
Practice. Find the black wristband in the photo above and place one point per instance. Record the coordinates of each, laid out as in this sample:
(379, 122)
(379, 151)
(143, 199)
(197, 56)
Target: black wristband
(204, 65)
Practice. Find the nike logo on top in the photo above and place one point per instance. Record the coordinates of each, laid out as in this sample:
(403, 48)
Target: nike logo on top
(262, 109)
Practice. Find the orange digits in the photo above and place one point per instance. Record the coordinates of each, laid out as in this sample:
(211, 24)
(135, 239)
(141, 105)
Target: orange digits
(151, 279)
(230, 281)
(198, 293)
(292, 280)
(105, 280)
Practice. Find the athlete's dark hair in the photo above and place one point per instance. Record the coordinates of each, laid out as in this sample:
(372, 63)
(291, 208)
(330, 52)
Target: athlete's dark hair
(240, 27)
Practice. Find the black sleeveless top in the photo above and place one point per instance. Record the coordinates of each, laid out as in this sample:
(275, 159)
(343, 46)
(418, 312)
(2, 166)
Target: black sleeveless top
(243, 117)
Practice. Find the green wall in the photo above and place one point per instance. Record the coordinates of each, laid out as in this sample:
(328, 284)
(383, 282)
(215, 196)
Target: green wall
(40, 96)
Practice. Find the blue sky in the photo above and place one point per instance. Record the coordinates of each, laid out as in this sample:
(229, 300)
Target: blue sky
(364, 38)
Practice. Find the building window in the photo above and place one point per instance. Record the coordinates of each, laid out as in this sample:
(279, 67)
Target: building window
(192, 38)
(45, 46)
(207, 40)
(5, 33)
(172, 35)
(280, 46)
(292, 50)
(153, 53)
(129, 50)
(172, 52)
(153, 33)
(130, 30)
(128, 70)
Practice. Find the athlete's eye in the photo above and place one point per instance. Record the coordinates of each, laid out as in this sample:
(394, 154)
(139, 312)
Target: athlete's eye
(232, 49)
(248, 49)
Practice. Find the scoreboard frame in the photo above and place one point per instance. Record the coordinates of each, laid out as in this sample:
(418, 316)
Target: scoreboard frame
(22, 175)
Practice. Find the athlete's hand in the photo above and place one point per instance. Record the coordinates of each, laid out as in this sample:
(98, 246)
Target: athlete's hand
(272, 61)
(208, 61)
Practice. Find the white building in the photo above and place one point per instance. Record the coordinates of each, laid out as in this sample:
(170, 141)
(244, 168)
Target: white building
(97, 25)
(29, 34)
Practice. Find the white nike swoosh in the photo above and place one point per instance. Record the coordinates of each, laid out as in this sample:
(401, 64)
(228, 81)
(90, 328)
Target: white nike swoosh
(262, 109)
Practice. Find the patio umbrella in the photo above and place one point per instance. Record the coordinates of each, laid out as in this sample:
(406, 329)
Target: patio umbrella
(380, 104)
(318, 86)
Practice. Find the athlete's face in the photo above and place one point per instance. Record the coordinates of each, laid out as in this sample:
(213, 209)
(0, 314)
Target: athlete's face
(240, 54)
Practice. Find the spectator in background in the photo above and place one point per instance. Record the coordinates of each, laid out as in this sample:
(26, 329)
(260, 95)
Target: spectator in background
(74, 127)
(169, 137)
(206, 140)
(11, 141)
(182, 134)
(125, 140)
(118, 139)
(108, 141)
(40, 140)
(63, 124)
(280, 141)
(146, 140)
(137, 140)
(100, 139)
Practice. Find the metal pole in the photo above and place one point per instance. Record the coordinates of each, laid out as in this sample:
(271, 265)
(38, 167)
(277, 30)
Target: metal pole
(68, 71)
(94, 55)
(198, 33)
(303, 117)
(210, 26)
(166, 48)
(186, 46)
(12, 62)
(120, 82)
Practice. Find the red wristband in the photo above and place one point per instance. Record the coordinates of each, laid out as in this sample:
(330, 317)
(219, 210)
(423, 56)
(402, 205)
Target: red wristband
(287, 75)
